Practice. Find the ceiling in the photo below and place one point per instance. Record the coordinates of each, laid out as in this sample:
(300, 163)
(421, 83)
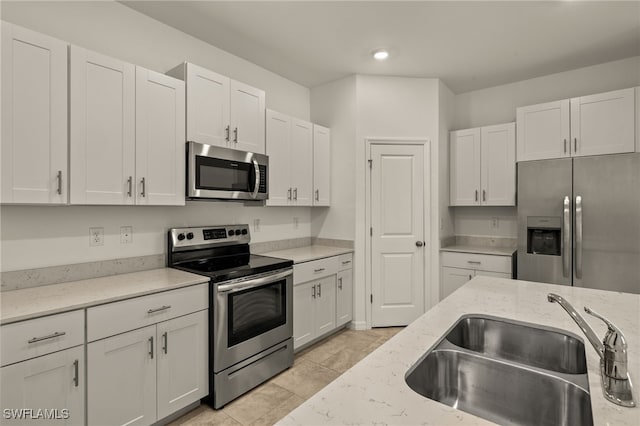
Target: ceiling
(469, 45)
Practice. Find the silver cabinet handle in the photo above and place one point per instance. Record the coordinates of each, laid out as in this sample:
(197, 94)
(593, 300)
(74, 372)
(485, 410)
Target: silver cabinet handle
(165, 342)
(256, 169)
(474, 262)
(76, 378)
(317, 195)
(578, 236)
(162, 308)
(130, 183)
(484, 195)
(340, 283)
(59, 178)
(314, 291)
(47, 337)
(476, 195)
(346, 262)
(289, 193)
(318, 270)
(151, 347)
(235, 135)
(470, 276)
(226, 133)
(565, 146)
(319, 290)
(295, 194)
(575, 144)
(566, 233)
(144, 184)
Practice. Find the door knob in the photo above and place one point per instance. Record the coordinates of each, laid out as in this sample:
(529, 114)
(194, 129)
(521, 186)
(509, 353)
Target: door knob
(419, 243)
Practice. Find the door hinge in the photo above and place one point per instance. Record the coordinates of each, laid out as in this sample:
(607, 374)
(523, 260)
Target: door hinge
(371, 231)
(371, 298)
(370, 163)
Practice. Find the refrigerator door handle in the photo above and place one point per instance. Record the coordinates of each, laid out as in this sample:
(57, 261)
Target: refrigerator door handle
(566, 237)
(578, 236)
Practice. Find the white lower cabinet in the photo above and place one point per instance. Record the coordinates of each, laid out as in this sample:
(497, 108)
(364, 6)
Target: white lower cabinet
(458, 268)
(50, 388)
(322, 297)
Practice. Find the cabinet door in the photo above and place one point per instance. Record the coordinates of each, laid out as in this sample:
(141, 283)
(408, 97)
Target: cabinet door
(207, 106)
(102, 129)
(54, 381)
(247, 118)
(543, 131)
(465, 167)
(122, 379)
(34, 117)
(183, 361)
(302, 162)
(344, 296)
(453, 279)
(498, 165)
(326, 305)
(321, 166)
(603, 123)
(279, 152)
(304, 317)
(160, 144)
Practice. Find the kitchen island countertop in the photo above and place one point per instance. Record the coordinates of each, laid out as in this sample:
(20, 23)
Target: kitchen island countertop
(374, 390)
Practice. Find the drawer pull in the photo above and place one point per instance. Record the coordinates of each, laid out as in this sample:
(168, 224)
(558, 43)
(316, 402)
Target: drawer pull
(151, 347)
(318, 270)
(165, 339)
(162, 308)
(76, 378)
(474, 262)
(50, 336)
(319, 290)
(346, 262)
(340, 283)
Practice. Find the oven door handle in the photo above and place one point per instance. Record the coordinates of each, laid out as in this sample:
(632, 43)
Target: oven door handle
(231, 287)
(256, 168)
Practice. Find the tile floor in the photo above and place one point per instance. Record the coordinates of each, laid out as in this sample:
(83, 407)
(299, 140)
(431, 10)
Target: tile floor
(313, 369)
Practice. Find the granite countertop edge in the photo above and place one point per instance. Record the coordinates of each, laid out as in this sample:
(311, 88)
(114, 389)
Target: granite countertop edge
(495, 251)
(309, 253)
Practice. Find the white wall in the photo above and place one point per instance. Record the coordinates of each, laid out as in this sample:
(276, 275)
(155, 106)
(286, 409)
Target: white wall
(35, 236)
(498, 105)
(334, 105)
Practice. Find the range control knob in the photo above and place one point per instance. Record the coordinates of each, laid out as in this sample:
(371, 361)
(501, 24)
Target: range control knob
(180, 237)
(190, 236)
(244, 231)
(232, 232)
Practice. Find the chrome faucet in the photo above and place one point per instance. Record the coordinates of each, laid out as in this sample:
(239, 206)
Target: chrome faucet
(616, 383)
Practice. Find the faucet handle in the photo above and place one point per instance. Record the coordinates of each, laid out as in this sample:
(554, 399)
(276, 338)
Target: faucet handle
(614, 339)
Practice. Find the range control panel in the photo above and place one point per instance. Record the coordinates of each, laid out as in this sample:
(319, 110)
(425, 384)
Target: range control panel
(209, 236)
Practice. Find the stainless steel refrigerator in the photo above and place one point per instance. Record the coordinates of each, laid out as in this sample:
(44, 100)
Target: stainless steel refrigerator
(579, 222)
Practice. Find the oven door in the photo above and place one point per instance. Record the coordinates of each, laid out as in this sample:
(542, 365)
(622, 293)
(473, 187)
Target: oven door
(223, 173)
(251, 315)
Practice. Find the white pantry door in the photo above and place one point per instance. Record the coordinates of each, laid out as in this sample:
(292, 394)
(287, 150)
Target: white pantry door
(397, 236)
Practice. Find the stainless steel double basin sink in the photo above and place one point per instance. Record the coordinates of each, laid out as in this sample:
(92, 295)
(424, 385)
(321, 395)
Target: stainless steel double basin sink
(508, 372)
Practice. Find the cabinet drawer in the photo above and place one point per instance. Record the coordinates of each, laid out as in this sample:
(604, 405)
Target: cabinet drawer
(345, 261)
(118, 317)
(307, 271)
(40, 336)
(481, 262)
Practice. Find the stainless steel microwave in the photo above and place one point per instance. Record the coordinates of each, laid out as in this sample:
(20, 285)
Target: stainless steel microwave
(225, 174)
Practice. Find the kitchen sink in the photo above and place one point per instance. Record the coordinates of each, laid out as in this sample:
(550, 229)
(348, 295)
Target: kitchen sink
(494, 368)
(532, 345)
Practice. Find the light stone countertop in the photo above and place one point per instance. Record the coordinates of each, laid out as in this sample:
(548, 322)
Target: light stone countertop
(308, 253)
(18, 305)
(501, 251)
(374, 390)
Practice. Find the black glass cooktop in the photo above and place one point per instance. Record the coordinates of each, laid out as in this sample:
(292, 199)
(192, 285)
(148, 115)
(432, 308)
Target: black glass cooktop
(225, 268)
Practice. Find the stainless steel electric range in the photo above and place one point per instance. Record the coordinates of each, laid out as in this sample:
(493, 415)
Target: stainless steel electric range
(250, 306)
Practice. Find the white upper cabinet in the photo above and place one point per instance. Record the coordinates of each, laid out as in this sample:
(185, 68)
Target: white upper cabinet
(247, 117)
(483, 166)
(465, 167)
(34, 117)
(160, 147)
(543, 131)
(498, 165)
(588, 125)
(279, 152)
(321, 166)
(302, 162)
(603, 123)
(102, 148)
(221, 111)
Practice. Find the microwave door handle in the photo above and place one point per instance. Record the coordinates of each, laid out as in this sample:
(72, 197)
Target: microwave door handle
(232, 287)
(256, 168)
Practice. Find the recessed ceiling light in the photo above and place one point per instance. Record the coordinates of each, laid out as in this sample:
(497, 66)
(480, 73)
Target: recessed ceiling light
(380, 54)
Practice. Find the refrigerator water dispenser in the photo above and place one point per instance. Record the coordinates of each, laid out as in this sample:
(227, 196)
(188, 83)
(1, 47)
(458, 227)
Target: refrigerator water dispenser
(544, 235)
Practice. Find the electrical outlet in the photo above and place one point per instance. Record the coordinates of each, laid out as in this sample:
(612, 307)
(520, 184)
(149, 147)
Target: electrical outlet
(256, 225)
(495, 223)
(296, 221)
(126, 234)
(96, 237)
